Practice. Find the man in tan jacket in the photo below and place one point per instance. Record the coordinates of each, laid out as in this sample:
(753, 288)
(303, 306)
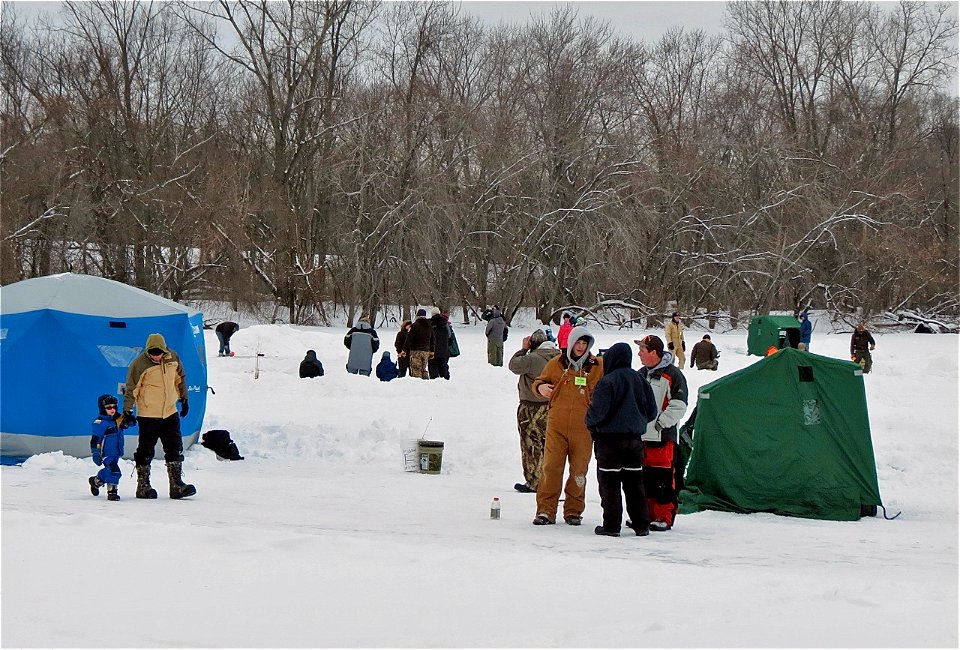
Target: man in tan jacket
(155, 382)
(674, 336)
(567, 381)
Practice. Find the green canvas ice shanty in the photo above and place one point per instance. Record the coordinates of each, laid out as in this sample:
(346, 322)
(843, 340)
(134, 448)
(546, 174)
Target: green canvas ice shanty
(767, 330)
(788, 435)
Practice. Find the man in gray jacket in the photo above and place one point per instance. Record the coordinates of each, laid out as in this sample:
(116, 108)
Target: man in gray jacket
(496, 332)
(528, 362)
(362, 342)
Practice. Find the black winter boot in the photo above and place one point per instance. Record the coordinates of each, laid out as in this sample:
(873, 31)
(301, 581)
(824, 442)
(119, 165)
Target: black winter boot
(112, 492)
(144, 491)
(178, 489)
(95, 484)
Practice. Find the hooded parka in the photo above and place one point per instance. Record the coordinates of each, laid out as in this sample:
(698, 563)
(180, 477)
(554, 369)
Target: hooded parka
(568, 439)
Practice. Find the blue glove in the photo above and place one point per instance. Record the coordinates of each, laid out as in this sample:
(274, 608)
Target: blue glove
(97, 458)
(184, 408)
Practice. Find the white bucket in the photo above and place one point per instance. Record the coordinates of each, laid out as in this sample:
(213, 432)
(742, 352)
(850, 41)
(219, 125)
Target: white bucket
(411, 455)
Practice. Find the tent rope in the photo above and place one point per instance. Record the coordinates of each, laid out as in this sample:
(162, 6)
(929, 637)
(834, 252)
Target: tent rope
(890, 518)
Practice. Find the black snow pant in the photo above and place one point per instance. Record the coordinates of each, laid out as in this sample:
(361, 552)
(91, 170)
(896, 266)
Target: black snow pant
(167, 431)
(439, 367)
(620, 466)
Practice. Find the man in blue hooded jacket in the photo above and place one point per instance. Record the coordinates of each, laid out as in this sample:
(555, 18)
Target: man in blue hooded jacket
(621, 407)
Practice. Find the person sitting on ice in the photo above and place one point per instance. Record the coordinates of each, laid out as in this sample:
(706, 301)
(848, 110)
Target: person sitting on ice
(311, 366)
(106, 447)
(386, 369)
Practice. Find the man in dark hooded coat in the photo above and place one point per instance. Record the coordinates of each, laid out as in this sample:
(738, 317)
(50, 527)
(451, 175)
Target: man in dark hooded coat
(439, 364)
(617, 417)
(310, 366)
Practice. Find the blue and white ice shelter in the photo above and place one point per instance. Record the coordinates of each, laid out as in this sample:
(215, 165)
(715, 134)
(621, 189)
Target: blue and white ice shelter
(66, 339)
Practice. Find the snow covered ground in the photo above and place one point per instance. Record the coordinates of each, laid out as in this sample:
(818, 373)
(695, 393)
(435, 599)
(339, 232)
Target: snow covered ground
(320, 539)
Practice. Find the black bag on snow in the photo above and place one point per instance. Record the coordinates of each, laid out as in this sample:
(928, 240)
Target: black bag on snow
(218, 441)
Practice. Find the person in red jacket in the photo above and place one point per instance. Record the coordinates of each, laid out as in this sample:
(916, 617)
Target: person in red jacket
(564, 333)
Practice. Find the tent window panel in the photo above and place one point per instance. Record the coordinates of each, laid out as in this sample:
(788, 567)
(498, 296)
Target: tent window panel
(119, 356)
(806, 373)
(811, 412)
(118, 324)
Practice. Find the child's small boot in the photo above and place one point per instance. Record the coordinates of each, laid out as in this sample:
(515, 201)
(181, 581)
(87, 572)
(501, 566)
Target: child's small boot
(178, 489)
(112, 492)
(95, 484)
(144, 491)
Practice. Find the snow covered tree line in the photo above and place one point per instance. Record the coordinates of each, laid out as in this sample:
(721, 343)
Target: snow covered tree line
(351, 155)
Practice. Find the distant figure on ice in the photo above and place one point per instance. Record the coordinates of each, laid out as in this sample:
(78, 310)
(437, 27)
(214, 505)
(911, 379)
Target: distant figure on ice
(419, 345)
(806, 329)
(310, 366)
(386, 369)
(861, 343)
(362, 341)
(403, 360)
(439, 364)
(564, 332)
(674, 337)
(224, 331)
(496, 332)
(106, 447)
(704, 355)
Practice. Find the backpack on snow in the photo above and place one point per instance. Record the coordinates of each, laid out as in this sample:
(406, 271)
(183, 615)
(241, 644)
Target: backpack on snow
(218, 441)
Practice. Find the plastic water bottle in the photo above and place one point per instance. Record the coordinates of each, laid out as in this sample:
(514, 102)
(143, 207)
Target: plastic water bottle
(495, 508)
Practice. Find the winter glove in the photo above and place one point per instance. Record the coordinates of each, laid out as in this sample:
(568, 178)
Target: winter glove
(670, 345)
(129, 419)
(97, 458)
(184, 408)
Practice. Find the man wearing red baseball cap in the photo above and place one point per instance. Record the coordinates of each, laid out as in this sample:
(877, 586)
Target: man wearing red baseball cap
(660, 440)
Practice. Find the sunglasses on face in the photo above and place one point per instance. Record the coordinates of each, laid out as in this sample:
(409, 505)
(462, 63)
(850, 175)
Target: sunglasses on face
(110, 407)
(154, 352)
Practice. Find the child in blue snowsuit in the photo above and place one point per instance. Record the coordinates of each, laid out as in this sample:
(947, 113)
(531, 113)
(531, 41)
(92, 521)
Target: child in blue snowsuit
(386, 369)
(106, 447)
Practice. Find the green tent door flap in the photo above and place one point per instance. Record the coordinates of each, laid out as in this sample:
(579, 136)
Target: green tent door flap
(788, 435)
(768, 330)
